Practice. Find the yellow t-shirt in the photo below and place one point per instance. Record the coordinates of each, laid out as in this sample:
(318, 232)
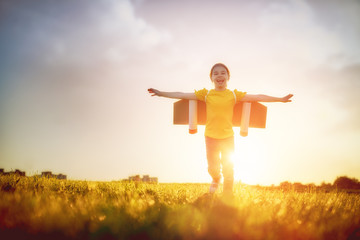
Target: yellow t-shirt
(219, 111)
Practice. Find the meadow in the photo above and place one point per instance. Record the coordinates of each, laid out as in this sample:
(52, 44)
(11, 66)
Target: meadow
(45, 208)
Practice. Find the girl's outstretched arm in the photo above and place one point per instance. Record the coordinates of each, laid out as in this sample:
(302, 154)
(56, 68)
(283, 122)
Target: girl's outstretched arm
(178, 95)
(265, 98)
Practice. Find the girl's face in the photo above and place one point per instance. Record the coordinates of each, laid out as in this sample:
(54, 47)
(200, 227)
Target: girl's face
(220, 77)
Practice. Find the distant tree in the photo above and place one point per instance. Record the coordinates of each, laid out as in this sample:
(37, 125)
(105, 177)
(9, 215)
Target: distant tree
(311, 187)
(299, 187)
(285, 186)
(345, 182)
(326, 186)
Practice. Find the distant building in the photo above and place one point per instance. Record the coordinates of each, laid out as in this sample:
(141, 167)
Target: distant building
(46, 174)
(16, 172)
(145, 178)
(135, 178)
(61, 176)
(49, 174)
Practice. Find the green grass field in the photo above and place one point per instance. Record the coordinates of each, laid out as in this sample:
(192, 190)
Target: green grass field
(41, 208)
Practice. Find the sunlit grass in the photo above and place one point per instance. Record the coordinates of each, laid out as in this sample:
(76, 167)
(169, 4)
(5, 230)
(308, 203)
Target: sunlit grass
(46, 208)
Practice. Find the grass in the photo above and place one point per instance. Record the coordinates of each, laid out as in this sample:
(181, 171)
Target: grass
(41, 208)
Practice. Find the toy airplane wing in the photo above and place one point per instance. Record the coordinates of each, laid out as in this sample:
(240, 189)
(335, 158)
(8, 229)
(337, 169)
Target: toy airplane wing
(246, 114)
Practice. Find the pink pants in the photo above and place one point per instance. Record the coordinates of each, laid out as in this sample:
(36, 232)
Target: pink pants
(218, 152)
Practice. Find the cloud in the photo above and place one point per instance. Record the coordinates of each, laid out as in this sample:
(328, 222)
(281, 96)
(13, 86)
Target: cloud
(74, 49)
(78, 33)
(292, 29)
(342, 90)
(67, 62)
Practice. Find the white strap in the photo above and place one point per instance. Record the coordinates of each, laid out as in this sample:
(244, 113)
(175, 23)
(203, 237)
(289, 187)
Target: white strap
(207, 94)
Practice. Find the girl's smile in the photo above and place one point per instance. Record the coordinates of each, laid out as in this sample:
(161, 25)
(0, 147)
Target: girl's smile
(220, 80)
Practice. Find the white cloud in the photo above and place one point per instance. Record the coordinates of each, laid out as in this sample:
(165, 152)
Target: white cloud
(291, 28)
(123, 30)
(108, 32)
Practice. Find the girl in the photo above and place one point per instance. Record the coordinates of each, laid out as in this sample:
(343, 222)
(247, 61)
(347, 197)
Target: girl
(219, 134)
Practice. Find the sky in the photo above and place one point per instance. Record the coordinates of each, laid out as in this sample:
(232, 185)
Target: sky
(74, 77)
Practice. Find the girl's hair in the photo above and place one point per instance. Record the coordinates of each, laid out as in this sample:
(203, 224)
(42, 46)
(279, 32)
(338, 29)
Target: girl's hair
(219, 64)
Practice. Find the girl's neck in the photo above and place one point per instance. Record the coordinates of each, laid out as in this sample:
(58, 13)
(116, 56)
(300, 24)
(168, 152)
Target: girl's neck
(220, 89)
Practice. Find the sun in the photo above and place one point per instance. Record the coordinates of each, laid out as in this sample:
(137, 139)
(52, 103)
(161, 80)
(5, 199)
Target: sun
(250, 162)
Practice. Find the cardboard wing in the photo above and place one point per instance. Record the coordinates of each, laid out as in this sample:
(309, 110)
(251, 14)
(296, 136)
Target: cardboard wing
(246, 114)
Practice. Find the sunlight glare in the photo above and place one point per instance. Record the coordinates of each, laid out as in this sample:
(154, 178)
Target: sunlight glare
(249, 161)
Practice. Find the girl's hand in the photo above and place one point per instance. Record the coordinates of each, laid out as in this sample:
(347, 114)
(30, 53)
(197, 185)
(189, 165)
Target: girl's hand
(176, 95)
(154, 92)
(287, 98)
